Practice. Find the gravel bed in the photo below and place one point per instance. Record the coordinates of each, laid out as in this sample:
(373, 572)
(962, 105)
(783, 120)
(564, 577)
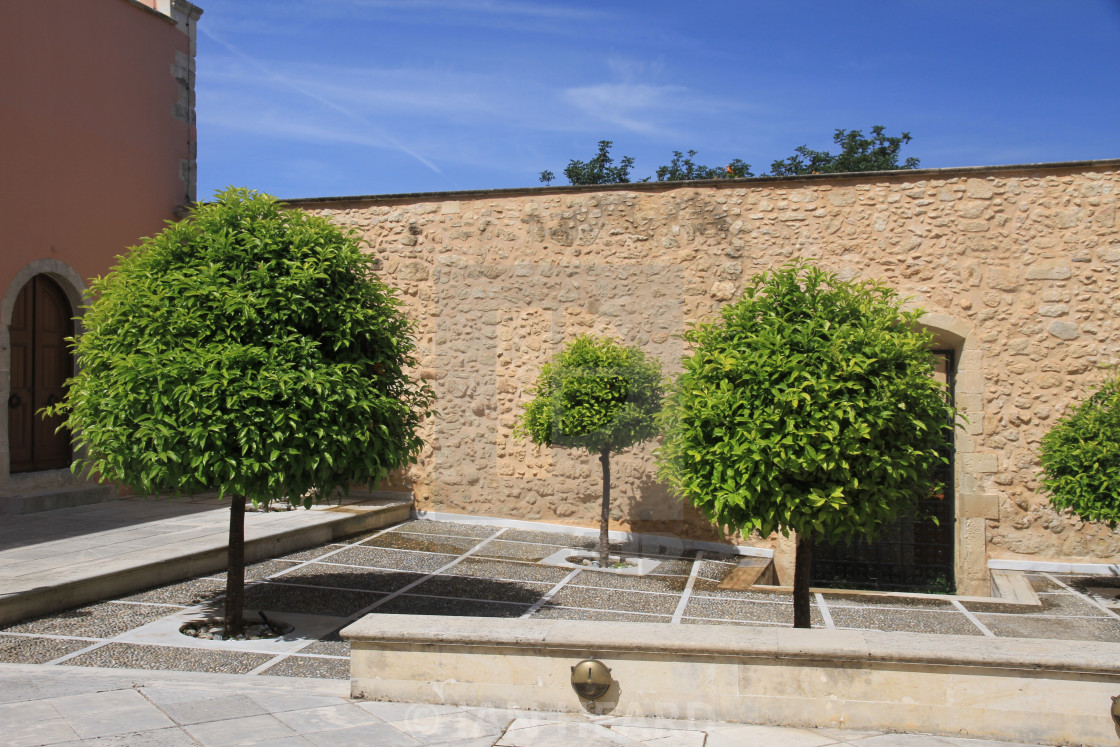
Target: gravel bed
(604, 580)
(549, 612)
(764, 612)
(401, 560)
(349, 577)
(1081, 582)
(1053, 603)
(561, 539)
(410, 605)
(423, 543)
(309, 554)
(331, 646)
(1041, 583)
(706, 588)
(715, 570)
(185, 593)
(1053, 628)
(874, 600)
(612, 600)
(134, 656)
(277, 597)
(530, 552)
(310, 666)
(17, 649)
(264, 569)
(509, 569)
(525, 592)
(450, 528)
(672, 568)
(102, 620)
(903, 621)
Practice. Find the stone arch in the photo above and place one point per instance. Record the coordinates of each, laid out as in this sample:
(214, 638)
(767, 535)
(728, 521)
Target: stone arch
(74, 287)
(973, 507)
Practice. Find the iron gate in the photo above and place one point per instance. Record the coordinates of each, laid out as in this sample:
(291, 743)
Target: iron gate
(913, 554)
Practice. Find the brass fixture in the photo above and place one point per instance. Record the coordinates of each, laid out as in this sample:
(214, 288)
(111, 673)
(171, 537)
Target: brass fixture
(1115, 708)
(591, 679)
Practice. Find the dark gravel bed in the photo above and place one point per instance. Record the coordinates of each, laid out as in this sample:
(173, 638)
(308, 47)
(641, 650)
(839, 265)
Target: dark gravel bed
(729, 609)
(1059, 628)
(135, 656)
(401, 560)
(18, 649)
(705, 588)
(307, 600)
(102, 620)
(266, 568)
(450, 528)
(1053, 603)
(423, 542)
(509, 569)
(903, 621)
(602, 580)
(525, 592)
(349, 577)
(817, 623)
(526, 551)
(185, 593)
(613, 600)
(548, 612)
(876, 600)
(309, 554)
(311, 666)
(1082, 582)
(411, 605)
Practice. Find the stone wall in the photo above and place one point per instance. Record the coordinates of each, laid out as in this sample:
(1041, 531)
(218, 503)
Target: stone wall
(1018, 267)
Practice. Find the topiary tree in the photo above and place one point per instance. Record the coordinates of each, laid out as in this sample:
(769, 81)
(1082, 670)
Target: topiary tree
(1081, 457)
(247, 350)
(808, 406)
(598, 395)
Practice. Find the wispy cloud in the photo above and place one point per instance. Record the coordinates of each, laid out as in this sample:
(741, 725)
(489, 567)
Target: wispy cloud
(383, 138)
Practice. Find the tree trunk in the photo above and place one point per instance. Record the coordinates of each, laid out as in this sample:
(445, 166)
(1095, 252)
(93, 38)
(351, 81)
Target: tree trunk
(605, 519)
(235, 575)
(803, 563)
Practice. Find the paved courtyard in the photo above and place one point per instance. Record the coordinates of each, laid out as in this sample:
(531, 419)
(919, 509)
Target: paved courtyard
(451, 568)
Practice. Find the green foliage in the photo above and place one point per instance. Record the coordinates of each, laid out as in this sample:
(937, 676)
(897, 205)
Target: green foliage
(857, 153)
(1081, 457)
(547, 177)
(681, 168)
(595, 394)
(249, 350)
(601, 169)
(809, 405)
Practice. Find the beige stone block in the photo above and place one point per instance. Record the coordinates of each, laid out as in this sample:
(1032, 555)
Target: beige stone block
(980, 463)
(978, 506)
(1048, 272)
(980, 189)
(970, 382)
(842, 681)
(1004, 279)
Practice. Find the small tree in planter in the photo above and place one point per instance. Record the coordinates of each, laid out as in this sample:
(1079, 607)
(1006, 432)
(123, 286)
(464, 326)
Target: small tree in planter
(598, 395)
(809, 406)
(248, 350)
(1081, 457)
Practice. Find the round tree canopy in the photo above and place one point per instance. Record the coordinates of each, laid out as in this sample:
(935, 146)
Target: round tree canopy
(809, 405)
(249, 350)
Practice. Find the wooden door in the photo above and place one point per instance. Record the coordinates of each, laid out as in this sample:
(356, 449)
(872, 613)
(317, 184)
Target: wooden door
(41, 363)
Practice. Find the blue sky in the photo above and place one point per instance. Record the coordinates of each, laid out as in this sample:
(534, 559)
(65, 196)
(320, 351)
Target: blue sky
(303, 98)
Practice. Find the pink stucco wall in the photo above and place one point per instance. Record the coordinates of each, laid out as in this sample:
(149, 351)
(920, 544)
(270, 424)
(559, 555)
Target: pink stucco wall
(90, 139)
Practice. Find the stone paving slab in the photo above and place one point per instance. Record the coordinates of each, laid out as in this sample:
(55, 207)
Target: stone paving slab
(88, 706)
(55, 559)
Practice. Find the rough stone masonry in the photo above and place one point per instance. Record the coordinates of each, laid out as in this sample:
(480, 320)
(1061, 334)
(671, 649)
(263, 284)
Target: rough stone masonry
(1017, 267)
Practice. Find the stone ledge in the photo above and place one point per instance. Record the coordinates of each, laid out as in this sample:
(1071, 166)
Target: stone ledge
(1030, 690)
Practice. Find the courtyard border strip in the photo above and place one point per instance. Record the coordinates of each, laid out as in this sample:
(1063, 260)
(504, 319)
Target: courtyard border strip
(972, 618)
(693, 574)
(826, 614)
(550, 594)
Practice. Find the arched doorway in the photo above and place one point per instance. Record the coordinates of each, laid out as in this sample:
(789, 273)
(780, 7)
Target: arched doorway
(40, 364)
(917, 552)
